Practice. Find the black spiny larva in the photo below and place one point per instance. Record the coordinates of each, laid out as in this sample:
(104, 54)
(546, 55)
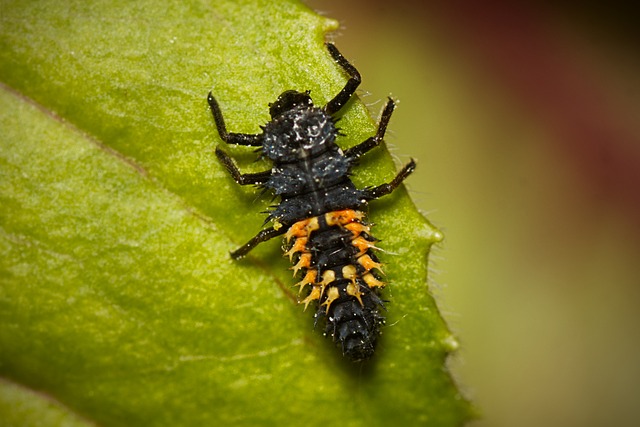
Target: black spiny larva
(320, 210)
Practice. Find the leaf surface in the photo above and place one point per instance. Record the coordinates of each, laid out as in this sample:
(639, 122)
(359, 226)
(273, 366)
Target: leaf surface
(118, 300)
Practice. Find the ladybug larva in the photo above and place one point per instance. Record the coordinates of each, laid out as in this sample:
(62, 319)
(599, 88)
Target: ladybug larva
(321, 212)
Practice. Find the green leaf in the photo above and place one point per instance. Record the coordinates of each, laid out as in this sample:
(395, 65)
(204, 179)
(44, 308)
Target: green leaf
(22, 407)
(119, 304)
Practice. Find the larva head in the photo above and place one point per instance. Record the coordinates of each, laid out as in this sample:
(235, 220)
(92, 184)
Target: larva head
(289, 100)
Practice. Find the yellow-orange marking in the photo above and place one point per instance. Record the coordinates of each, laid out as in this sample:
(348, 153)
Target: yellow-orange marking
(309, 279)
(363, 244)
(328, 277)
(314, 295)
(350, 272)
(357, 228)
(343, 217)
(332, 295)
(302, 228)
(368, 263)
(354, 290)
(303, 262)
(372, 282)
(299, 246)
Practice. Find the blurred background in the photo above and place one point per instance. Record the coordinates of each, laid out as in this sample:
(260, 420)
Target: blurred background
(525, 120)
